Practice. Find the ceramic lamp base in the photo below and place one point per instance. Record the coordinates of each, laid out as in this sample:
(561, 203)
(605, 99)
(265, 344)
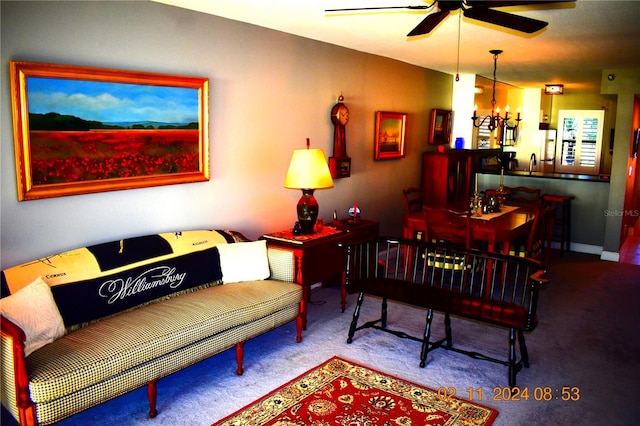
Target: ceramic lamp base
(307, 211)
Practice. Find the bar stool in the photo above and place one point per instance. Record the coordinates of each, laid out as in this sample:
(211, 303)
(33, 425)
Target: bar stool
(563, 219)
(414, 221)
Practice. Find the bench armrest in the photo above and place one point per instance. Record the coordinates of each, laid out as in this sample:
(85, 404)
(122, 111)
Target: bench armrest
(538, 277)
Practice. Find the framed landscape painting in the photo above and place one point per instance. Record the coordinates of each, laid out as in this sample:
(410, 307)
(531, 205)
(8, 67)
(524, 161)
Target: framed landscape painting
(390, 128)
(81, 130)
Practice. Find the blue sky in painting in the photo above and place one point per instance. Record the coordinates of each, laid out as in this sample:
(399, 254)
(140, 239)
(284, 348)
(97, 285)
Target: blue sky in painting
(112, 102)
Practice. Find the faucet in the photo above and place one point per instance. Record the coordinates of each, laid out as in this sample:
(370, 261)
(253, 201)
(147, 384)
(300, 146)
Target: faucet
(532, 162)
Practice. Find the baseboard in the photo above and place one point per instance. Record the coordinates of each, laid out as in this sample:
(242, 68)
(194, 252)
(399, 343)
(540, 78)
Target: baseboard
(580, 248)
(586, 248)
(610, 256)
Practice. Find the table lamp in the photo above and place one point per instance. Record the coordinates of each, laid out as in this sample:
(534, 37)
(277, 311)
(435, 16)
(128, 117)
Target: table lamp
(308, 171)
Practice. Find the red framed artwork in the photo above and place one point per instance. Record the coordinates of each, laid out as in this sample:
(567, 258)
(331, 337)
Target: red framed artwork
(81, 130)
(389, 136)
(440, 129)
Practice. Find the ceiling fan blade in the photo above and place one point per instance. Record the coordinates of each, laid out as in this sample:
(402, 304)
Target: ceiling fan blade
(352, 9)
(430, 22)
(503, 19)
(506, 3)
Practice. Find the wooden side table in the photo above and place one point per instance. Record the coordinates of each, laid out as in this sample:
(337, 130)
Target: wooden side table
(319, 257)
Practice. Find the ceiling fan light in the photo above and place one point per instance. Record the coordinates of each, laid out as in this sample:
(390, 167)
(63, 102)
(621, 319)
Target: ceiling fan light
(554, 89)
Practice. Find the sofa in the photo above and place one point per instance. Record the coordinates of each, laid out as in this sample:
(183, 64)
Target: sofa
(84, 326)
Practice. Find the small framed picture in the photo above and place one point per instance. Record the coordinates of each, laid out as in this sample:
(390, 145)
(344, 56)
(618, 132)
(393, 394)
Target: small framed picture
(440, 130)
(389, 136)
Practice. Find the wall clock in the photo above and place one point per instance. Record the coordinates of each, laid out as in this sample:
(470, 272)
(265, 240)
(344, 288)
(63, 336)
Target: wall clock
(340, 163)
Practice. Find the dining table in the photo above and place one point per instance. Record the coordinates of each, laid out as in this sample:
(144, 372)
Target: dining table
(503, 227)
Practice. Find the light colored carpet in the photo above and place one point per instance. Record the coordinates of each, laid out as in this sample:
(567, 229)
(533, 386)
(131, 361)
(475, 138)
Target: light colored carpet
(587, 338)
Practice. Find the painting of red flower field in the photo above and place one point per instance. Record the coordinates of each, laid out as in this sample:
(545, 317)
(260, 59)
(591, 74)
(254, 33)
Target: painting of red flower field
(64, 157)
(81, 130)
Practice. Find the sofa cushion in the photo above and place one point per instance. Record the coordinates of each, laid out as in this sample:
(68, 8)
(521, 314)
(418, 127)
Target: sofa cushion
(33, 309)
(93, 353)
(244, 261)
(106, 281)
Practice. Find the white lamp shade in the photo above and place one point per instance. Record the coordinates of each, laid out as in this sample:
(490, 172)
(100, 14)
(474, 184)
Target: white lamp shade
(308, 169)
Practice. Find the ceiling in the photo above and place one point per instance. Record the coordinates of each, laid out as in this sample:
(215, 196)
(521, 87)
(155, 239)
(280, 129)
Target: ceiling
(581, 40)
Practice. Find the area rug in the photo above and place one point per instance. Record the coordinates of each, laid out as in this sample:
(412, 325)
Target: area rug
(341, 392)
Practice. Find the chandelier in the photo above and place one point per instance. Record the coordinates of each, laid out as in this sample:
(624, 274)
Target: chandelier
(495, 120)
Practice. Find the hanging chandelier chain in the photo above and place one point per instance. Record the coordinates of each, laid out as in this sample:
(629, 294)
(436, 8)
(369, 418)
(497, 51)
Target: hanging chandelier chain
(458, 62)
(495, 68)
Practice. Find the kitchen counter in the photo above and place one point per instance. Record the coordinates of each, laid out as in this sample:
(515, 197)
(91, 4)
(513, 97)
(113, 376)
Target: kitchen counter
(588, 207)
(567, 176)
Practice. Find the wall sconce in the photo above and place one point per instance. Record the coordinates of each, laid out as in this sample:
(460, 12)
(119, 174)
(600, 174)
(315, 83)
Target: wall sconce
(308, 171)
(554, 89)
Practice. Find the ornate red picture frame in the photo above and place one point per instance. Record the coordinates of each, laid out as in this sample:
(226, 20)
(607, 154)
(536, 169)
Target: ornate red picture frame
(389, 136)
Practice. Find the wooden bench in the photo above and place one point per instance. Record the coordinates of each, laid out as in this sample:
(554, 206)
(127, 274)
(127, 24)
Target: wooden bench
(487, 287)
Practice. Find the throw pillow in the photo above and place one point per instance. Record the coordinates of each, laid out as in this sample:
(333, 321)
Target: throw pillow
(244, 261)
(34, 310)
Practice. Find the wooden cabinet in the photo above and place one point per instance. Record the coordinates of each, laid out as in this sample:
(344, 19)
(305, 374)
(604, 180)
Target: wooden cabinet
(448, 177)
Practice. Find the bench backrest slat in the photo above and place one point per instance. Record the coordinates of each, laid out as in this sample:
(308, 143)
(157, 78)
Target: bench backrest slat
(467, 282)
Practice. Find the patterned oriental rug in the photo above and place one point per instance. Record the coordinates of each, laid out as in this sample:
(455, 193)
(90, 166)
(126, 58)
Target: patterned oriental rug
(340, 392)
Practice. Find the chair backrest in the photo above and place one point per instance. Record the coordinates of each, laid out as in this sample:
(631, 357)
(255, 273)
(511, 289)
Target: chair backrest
(533, 239)
(538, 241)
(449, 226)
(523, 195)
(412, 200)
(413, 221)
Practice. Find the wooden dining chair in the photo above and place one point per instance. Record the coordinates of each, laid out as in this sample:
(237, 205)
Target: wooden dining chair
(414, 220)
(522, 195)
(448, 226)
(537, 243)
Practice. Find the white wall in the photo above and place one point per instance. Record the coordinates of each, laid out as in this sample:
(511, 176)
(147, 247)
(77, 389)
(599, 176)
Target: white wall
(462, 104)
(625, 86)
(528, 141)
(269, 91)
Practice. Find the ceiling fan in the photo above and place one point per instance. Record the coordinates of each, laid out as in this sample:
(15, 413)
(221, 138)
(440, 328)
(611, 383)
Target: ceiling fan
(474, 9)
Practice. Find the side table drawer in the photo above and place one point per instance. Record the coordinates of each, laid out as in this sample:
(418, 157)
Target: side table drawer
(358, 230)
